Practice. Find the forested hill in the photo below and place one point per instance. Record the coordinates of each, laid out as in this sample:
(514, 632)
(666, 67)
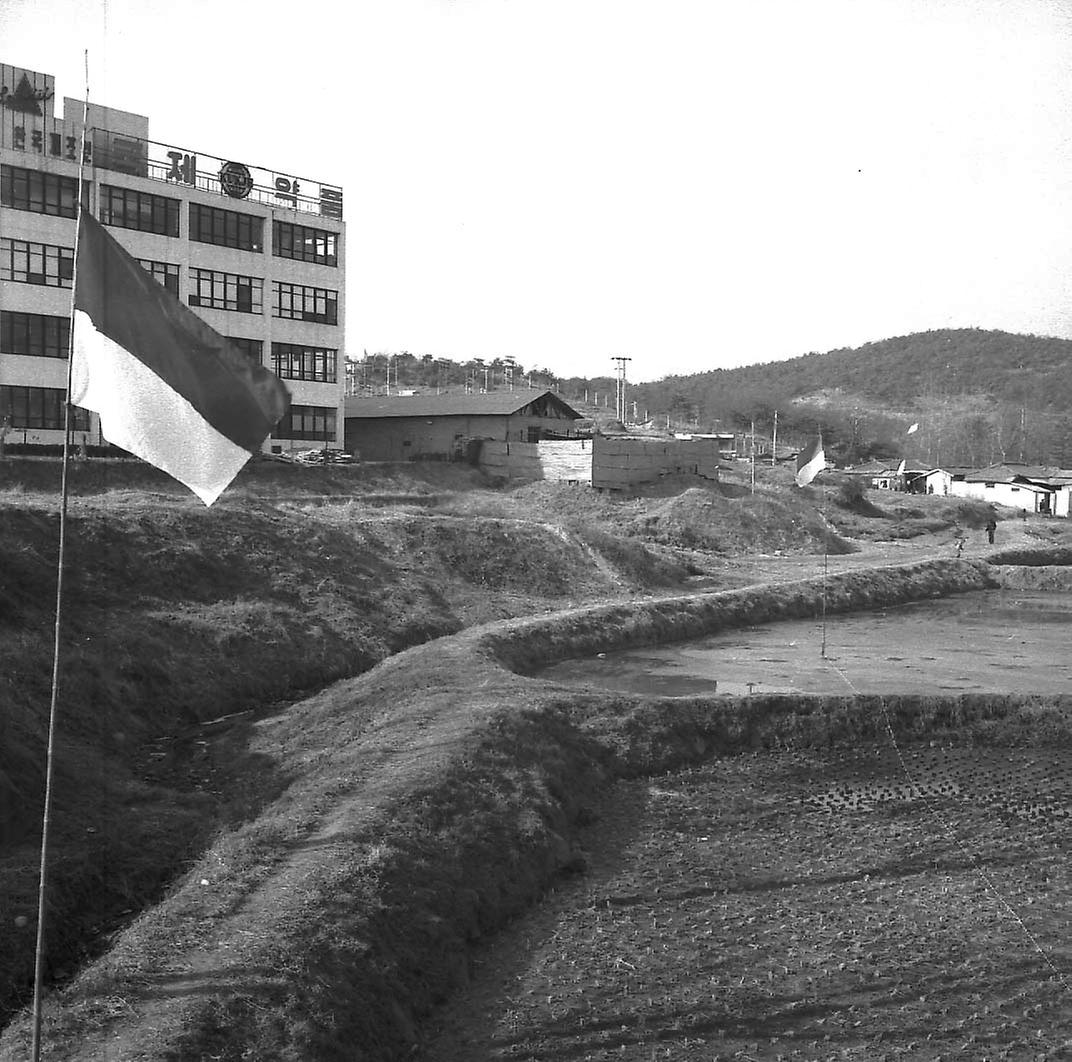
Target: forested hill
(1035, 371)
(979, 396)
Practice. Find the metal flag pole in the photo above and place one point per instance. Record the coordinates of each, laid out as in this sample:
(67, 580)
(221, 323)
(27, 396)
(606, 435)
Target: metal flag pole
(826, 556)
(46, 819)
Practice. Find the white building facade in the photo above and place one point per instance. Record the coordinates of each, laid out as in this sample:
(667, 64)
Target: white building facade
(258, 254)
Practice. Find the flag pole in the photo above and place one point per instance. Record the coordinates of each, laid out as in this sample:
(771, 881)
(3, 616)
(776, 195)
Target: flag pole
(826, 556)
(46, 819)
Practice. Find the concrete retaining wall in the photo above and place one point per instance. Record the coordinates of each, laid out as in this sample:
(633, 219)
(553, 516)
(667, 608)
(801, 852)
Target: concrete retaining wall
(623, 463)
(563, 460)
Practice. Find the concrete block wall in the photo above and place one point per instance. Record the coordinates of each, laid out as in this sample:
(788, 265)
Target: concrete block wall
(620, 463)
(564, 459)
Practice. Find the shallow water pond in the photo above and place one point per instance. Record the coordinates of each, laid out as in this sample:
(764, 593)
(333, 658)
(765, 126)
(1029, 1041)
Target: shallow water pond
(999, 641)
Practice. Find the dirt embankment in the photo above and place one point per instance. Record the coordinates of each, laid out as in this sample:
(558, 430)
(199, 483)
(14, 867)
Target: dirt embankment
(428, 801)
(177, 616)
(438, 795)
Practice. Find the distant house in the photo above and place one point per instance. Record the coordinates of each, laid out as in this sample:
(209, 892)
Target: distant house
(928, 481)
(1032, 488)
(878, 475)
(440, 427)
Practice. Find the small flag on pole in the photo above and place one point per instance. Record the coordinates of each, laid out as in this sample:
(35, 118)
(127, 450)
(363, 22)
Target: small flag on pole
(915, 427)
(810, 461)
(167, 387)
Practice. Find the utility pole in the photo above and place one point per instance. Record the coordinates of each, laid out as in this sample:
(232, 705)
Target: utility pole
(752, 447)
(619, 410)
(774, 440)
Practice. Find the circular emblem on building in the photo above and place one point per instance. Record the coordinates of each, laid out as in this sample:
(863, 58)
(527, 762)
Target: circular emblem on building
(236, 180)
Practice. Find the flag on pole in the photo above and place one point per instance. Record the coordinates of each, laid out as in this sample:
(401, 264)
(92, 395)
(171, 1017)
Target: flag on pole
(915, 427)
(810, 461)
(167, 387)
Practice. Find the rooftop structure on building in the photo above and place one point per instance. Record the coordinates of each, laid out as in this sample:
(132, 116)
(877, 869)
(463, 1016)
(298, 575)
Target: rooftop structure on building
(258, 253)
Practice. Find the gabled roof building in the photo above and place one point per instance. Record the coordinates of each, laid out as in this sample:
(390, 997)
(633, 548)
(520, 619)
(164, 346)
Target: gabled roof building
(440, 427)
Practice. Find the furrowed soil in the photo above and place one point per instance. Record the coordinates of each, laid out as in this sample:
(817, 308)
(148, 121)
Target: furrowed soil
(306, 809)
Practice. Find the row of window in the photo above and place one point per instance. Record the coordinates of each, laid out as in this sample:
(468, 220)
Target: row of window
(128, 208)
(38, 407)
(42, 408)
(38, 263)
(47, 336)
(312, 423)
(43, 193)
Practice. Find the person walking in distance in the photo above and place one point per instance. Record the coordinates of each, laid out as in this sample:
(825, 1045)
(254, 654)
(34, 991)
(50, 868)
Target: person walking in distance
(991, 527)
(958, 539)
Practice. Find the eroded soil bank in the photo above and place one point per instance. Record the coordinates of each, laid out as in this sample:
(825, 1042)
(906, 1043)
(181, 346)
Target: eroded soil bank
(434, 799)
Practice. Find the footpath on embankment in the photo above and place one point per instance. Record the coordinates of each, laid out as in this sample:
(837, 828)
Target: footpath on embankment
(430, 800)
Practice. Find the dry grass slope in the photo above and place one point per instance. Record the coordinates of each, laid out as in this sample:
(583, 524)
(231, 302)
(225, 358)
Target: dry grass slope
(357, 843)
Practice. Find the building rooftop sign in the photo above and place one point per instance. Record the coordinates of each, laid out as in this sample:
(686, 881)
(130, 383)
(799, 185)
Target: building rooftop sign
(28, 123)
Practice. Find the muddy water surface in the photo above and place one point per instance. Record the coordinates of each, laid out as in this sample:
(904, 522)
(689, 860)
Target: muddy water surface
(1000, 641)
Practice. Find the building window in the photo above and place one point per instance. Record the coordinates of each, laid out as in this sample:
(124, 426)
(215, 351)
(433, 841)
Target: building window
(163, 273)
(300, 303)
(39, 407)
(305, 244)
(128, 209)
(226, 228)
(226, 291)
(37, 335)
(36, 263)
(252, 348)
(311, 423)
(43, 193)
(292, 361)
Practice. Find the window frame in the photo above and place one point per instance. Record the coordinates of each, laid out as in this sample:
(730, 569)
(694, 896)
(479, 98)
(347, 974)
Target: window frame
(34, 335)
(311, 416)
(305, 361)
(129, 208)
(55, 264)
(226, 228)
(289, 240)
(217, 290)
(39, 408)
(291, 302)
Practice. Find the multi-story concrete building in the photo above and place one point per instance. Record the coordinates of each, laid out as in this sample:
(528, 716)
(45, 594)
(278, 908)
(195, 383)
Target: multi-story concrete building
(258, 254)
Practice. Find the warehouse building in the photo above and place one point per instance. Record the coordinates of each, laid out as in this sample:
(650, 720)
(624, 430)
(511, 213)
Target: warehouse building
(256, 253)
(441, 427)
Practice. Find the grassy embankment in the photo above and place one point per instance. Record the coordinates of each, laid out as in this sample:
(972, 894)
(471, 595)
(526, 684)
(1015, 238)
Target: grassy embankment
(433, 798)
(179, 616)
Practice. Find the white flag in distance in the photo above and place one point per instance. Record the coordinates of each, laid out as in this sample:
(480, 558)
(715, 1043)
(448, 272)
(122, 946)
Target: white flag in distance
(810, 461)
(915, 427)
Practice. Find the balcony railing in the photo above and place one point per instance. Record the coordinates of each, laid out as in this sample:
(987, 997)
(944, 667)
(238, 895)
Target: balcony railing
(233, 180)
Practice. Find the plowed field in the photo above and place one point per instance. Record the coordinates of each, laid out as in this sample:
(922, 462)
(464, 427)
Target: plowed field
(878, 904)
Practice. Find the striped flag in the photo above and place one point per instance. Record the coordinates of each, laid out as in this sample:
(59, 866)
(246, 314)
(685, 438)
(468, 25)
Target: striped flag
(810, 461)
(167, 387)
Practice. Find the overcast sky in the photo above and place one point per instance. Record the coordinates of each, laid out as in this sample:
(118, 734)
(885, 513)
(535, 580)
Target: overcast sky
(690, 183)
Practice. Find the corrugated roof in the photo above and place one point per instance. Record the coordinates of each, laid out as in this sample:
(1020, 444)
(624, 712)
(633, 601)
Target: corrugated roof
(1009, 472)
(501, 403)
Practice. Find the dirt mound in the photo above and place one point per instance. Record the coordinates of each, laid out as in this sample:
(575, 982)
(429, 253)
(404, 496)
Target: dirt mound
(705, 519)
(262, 477)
